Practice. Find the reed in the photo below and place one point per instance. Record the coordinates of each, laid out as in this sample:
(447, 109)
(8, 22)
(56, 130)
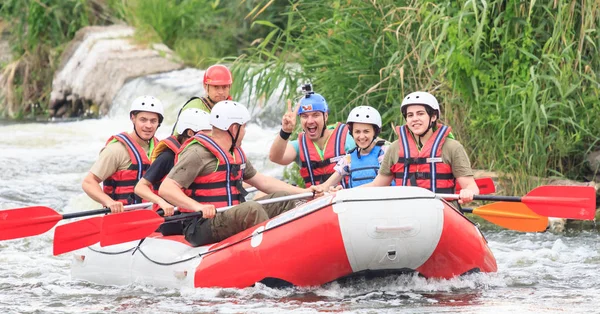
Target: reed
(39, 30)
(517, 80)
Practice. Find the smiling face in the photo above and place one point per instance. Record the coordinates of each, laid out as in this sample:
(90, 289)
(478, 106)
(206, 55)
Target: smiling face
(217, 93)
(418, 120)
(313, 123)
(145, 123)
(363, 134)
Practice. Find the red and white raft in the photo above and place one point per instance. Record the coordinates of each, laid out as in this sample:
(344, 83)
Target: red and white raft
(364, 231)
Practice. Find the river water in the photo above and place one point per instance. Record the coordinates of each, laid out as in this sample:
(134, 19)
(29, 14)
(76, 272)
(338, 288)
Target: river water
(44, 164)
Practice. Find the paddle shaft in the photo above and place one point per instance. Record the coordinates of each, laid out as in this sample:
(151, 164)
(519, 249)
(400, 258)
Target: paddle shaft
(262, 202)
(527, 199)
(103, 211)
(496, 198)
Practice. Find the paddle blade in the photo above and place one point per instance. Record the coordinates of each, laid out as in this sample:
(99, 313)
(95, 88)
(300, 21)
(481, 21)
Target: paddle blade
(129, 226)
(485, 185)
(27, 221)
(77, 235)
(511, 215)
(573, 202)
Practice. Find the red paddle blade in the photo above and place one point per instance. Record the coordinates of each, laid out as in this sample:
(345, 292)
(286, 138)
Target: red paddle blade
(574, 202)
(77, 235)
(27, 221)
(129, 226)
(512, 215)
(485, 185)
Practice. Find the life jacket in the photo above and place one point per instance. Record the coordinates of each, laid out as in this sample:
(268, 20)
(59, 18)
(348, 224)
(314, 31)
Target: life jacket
(315, 170)
(170, 143)
(223, 187)
(364, 168)
(120, 185)
(423, 168)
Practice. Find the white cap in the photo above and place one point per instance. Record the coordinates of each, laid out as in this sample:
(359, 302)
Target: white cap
(148, 104)
(420, 98)
(194, 119)
(227, 112)
(365, 114)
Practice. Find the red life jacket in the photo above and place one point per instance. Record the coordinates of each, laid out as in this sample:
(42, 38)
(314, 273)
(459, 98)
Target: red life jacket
(317, 170)
(423, 168)
(119, 186)
(223, 187)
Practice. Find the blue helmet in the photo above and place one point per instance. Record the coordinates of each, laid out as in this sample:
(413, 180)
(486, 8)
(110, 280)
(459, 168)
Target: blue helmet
(313, 102)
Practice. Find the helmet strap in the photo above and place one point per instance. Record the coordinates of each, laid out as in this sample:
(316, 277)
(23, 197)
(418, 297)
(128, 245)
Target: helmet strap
(138, 135)
(324, 126)
(428, 128)
(234, 138)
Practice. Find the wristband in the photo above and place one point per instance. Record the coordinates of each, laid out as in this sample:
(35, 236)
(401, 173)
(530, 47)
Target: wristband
(284, 135)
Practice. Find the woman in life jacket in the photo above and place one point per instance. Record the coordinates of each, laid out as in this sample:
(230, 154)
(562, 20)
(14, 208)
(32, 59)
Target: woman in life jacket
(426, 154)
(362, 163)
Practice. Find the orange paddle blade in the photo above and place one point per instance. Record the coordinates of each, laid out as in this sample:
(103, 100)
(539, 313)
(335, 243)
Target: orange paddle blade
(512, 215)
(77, 235)
(27, 221)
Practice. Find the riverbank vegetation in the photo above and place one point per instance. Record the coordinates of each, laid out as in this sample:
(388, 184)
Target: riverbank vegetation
(199, 31)
(517, 80)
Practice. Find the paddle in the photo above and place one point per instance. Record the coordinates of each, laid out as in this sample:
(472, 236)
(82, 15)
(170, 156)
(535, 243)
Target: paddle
(485, 185)
(135, 225)
(574, 202)
(29, 221)
(83, 233)
(514, 216)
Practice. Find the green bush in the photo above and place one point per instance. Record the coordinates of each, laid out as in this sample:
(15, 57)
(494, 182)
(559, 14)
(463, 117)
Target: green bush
(39, 31)
(517, 80)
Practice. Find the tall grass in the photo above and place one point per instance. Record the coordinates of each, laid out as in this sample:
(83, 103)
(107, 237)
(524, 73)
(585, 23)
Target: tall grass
(200, 31)
(517, 80)
(39, 30)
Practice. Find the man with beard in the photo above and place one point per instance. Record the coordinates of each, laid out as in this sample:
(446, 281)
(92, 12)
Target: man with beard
(217, 85)
(125, 158)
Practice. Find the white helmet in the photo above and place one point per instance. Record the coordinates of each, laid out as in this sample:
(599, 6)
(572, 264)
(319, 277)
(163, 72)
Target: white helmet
(194, 119)
(148, 104)
(227, 112)
(420, 98)
(365, 114)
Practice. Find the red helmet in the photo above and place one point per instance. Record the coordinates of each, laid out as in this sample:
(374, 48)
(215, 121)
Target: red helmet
(217, 75)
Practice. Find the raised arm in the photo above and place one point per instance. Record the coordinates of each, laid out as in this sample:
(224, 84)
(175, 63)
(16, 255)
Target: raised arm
(282, 152)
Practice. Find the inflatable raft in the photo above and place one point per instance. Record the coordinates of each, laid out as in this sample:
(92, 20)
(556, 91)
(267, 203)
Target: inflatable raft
(365, 231)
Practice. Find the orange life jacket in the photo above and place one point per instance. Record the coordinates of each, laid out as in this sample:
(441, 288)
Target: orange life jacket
(223, 187)
(120, 185)
(171, 143)
(315, 170)
(423, 168)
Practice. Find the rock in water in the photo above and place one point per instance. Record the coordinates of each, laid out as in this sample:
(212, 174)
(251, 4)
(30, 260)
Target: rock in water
(96, 64)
